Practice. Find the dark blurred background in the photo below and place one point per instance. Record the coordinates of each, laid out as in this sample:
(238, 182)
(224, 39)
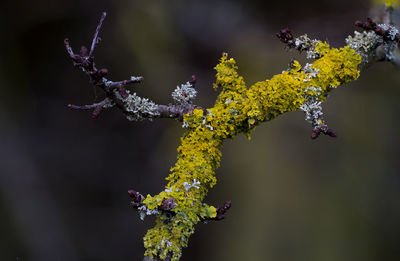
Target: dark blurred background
(64, 177)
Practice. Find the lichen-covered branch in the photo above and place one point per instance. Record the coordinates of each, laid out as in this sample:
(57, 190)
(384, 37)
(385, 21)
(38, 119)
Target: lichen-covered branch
(238, 109)
(377, 43)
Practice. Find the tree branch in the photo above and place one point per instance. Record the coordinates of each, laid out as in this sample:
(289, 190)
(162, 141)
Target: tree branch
(376, 43)
(134, 107)
(238, 109)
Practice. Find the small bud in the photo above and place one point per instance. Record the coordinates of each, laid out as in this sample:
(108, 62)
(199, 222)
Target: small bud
(379, 31)
(132, 193)
(102, 72)
(285, 35)
(227, 205)
(315, 133)
(331, 133)
(358, 23)
(221, 211)
(168, 204)
(96, 112)
(137, 198)
(193, 80)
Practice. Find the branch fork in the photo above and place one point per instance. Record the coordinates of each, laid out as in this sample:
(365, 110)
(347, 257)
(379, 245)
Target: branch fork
(116, 92)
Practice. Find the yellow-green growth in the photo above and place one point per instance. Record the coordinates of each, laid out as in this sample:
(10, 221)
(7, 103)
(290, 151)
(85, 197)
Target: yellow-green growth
(238, 109)
(388, 3)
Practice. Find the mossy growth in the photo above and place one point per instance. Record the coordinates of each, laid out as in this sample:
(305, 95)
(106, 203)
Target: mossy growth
(238, 109)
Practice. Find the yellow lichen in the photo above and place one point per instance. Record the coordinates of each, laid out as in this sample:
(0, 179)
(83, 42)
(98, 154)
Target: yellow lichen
(238, 109)
(388, 3)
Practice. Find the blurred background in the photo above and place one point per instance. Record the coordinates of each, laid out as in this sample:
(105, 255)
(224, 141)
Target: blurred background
(64, 176)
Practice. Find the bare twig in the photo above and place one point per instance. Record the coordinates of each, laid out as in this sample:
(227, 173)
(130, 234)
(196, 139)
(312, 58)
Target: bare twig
(91, 106)
(97, 107)
(96, 38)
(133, 106)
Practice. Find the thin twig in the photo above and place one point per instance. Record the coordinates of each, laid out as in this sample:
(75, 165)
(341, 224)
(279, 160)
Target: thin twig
(116, 92)
(96, 34)
(106, 101)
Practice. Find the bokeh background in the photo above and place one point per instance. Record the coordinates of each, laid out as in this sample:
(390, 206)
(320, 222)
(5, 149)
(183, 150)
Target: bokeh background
(64, 176)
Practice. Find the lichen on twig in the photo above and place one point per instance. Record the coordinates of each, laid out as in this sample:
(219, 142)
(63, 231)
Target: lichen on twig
(134, 107)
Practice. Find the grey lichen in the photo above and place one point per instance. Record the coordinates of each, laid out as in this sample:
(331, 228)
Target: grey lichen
(310, 71)
(312, 106)
(184, 94)
(392, 31)
(367, 43)
(144, 211)
(137, 108)
(364, 43)
(188, 185)
(304, 43)
(391, 45)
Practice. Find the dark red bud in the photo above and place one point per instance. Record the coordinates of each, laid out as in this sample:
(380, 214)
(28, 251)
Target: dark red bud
(132, 193)
(331, 133)
(193, 80)
(102, 72)
(137, 198)
(315, 134)
(221, 211)
(379, 31)
(96, 112)
(285, 35)
(358, 23)
(227, 205)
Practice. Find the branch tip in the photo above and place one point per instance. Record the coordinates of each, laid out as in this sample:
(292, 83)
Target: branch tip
(102, 72)
(96, 38)
(193, 80)
(323, 129)
(96, 112)
(221, 211)
(285, 35)
(137, 198)
(385, 30)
